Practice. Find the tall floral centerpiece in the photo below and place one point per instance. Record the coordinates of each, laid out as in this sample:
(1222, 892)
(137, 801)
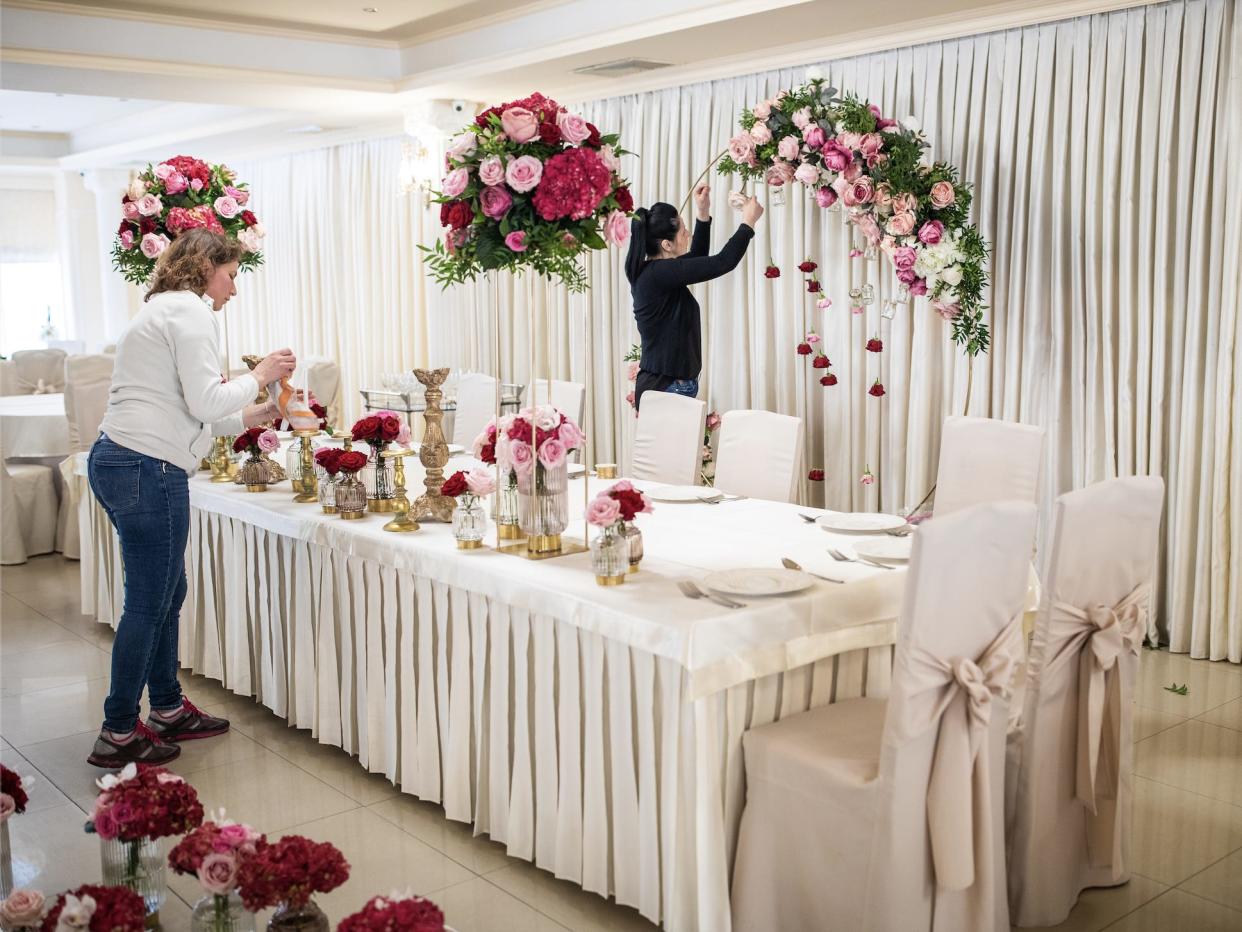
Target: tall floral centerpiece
(396, 913)
(176, 195)
(505, 507)
(286, 874)
(611, 512)
(136, 809)
(377, 431)
(95, 908)
(535, 445)
(214, 853)
(13, 800)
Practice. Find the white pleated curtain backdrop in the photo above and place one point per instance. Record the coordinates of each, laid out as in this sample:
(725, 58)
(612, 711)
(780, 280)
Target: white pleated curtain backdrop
(1101, 153)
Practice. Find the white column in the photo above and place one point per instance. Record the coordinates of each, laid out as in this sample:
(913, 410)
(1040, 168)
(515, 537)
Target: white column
(112, 292)
(77, 245)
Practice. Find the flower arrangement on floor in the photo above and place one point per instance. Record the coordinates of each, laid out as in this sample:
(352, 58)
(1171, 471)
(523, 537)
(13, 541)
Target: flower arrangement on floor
(286, 874)
(529, 185)
(395, 913)
(469, 517)
(841, 149)
(214, 853)
(612, 510)
(95, 908)
(176, 195)
(22, 911)
(13, 795)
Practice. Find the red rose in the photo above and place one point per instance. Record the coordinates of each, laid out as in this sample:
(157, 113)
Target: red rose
(631, 502)
(454, 485)
(488, 453)
(351, 461)
(812, 286)
(874, 345)
(807, 266)
(594, 139)
(146, 225)
(625, 200)
(367, 428)
(804, 349)
(771, 272)
(549, 133)
(820, 362)
(123, 227)
(390, 427)
(816, 475)
(456, 214)
(249, 218)
(829, 379)
(876, 390)
(330, 459)
(11, 783)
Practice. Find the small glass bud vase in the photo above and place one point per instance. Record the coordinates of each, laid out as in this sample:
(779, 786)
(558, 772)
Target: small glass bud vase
(469, 522)
(254, 473)
(327, 491)
(378, 477)
(221, 914)
(610, 556)
(634, 544)
(139, 865)
(306, 918)
(351, 497)
(505, 508)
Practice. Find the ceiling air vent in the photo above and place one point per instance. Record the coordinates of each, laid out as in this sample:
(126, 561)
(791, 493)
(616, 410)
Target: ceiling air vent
(622, 67)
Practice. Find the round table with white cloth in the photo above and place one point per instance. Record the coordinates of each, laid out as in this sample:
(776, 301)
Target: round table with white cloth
(34, 427)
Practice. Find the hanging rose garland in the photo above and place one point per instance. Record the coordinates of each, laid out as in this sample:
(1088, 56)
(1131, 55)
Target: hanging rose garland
(843, 151)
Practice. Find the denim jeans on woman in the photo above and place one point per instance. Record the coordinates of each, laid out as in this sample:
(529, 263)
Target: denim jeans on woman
(148, 502)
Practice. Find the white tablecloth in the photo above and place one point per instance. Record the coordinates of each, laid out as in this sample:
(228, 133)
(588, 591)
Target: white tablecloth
(34, 426)
(595, 731)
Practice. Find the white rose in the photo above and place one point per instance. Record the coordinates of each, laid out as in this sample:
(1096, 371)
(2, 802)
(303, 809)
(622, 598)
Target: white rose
(911, 123)
(137, 188)
(815, 73)
(548, 418)
(76, 914)
(248, 240)
(463, 144)
(951, 276)
(259, 230)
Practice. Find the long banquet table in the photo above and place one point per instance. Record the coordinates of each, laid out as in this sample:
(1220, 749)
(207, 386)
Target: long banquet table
(594, 731)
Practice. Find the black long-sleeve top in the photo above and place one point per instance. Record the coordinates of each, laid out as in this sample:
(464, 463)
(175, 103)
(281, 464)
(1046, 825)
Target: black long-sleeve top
(666, 311)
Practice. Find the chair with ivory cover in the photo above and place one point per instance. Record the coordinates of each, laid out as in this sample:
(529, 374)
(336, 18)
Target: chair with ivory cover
(760, 455)
(40, 371)
(476, 405)
(88, 380)
(987, 460)
(888, 815)
(27, 511)
(1070, 761)
(570, 397)
(668, 441)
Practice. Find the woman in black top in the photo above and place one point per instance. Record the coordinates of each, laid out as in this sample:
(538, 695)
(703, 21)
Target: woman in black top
(666, 311)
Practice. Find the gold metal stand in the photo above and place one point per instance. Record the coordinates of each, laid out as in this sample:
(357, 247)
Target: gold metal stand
(433, 454)
(220, 462)
(401, 504)
(307, 486)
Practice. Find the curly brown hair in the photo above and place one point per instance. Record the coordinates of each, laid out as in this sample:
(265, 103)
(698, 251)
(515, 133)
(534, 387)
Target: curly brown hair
(190, 260)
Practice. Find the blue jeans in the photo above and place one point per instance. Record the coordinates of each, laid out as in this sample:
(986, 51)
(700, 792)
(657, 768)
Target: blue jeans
(687, 387)
(148, 502)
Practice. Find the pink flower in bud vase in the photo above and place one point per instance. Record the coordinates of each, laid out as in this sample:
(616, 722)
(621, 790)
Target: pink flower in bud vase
(480, 481)
(516, 241)
(825, 197)
(404, 436)
(604, 511)
(520, 124)
(492, 171)
(617, 228)
(524, 173)
(789, 147)
(631, 370)
(812, 338)
(942, 195)
(867, 478)
(218, 873)
(931, 233)
(855, 253)
(814, 136)
(495, 201)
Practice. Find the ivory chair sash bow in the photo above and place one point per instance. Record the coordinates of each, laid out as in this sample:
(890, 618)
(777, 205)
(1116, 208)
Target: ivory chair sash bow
(1069, 794)
(40, 372)
(888, 816)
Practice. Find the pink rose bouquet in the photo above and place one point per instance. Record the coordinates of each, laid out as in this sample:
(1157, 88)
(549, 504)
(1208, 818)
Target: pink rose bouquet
(529, 185)
(539, 439)
(179, 194)
(214, 853)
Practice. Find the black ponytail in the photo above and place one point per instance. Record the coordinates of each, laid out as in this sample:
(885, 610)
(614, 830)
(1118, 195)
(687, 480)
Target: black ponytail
(647, 230)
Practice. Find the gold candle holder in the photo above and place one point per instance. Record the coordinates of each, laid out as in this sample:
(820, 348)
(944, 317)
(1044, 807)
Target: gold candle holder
(401, 521)
(220, 461)
(307, 486)
(433, 453)
(606, 470)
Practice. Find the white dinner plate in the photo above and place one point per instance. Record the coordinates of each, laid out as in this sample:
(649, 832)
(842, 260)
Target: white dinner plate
(860, 522)
(885, 549)
(682, 493)
(761, 581)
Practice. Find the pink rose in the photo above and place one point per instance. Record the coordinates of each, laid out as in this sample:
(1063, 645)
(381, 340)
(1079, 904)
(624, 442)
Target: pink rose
(947, 310)
(492, 171)
(616, 228)
(495, 202)
(105, 824)
(825, 197)
(942, 195)
(463, 144)
(868, 227)
(153, 244)
(918, 287)
(520, 456)
(836, 157)
(604, 511)
(629, 397)
(871, 144)
(552, 454)
(906, 276)
(859, 192)
(196, 185)
(852, 172)
(249, 240)
(850, 140)
(570, 435)
(22, 909)
(713, 421)
(807, 174)
(883, 198)
(523, 173)
(789, 147)
(780, 173)
(149, 205)
(176, 183)
(127, 239)
(480, 481)
(573, 128)
(631, 370)
(801, 117)
(164, 171)
(455, 182)
(814, 136)
(218, 873)
(519, 124)
(762, 110)
(8, 806)
(900, 223)
(129, 210)
(227, 207)
(609, 158)
(905, 203)
(904, 258)
(268, 442)
(516, 241)
(741, 148)
(760, 133)
(931, 232)
(237, 194)
(235, 835)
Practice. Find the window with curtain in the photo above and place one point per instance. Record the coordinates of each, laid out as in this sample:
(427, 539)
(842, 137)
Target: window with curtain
(32, 307)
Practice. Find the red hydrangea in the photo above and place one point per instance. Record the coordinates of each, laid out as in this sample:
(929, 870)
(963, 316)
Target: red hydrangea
(191, 167)
(384, 914)
(181, 219)
(454, 485)
(117, 909)
(212, 838)
(11, 784)
(573, 185)
(543, 107)
(149, 802)
(291, 871)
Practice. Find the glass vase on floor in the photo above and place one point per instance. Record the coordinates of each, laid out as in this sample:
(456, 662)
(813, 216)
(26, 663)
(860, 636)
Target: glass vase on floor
(610, 556)
(221, 914)
(469, 522)
(634, 541)
(505, 508)
(351, 497)
(378, 479)
(138, 865)
(543, 506)
(307, 918)
(6, 861)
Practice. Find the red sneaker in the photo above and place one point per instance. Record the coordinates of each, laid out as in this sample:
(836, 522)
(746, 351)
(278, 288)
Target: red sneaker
(192, 722)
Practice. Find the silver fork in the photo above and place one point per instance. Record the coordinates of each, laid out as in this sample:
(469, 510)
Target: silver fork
(809, 519)
(842, 558)
(793, 565)
(692, 591)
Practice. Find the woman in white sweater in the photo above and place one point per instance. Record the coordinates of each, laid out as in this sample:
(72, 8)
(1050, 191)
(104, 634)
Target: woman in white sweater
(168, 399)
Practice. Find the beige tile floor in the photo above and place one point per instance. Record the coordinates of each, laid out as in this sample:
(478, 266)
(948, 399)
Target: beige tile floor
(1187, 846)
